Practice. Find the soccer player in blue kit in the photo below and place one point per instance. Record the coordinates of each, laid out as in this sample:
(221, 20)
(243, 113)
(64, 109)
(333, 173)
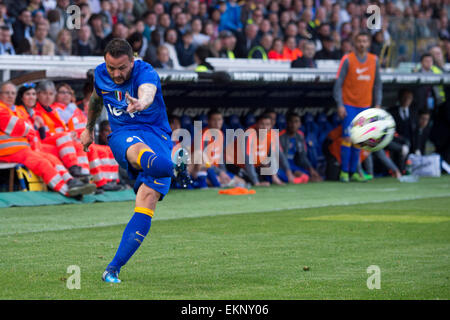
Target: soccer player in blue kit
(140, 139)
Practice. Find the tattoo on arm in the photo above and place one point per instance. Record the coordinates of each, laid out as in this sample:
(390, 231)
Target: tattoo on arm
(146, 94)
(95, 109)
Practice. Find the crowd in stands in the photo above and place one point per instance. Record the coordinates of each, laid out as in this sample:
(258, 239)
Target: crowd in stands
(167, 33)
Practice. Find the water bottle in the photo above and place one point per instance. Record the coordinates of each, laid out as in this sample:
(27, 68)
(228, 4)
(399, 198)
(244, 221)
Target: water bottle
(408, 177)
(408, 167)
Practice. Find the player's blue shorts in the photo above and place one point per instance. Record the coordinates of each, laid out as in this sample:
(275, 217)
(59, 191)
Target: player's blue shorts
(352, 112)
(156, 139)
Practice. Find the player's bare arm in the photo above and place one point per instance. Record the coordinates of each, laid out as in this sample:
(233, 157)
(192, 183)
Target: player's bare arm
(146, 94)
(95, 109)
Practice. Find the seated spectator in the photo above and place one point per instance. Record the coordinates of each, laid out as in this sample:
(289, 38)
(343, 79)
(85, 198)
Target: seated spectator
(346, 47)
(162, 58)
(6, 47)
(276, 52)
(322, 32)
(293, 145)
(246, 40)
(22, 28)
(136, 42)
(303, 33)
(40, 44)
(422, 133)
(201, 53)
(228, 44)
(164, 23)
(307, 60)
(230, 15)
(328, 51)
(377, 43)
(438, 57)
(261, 50)
(170, 40)
(185, 50)
(290, 50)
(55, 26)
(119, 30)
(63, 43)
(155, 42)
(198, 38)
(84, 45)
(405, 126)
(98, 32)
(181, 24)
(6, 19)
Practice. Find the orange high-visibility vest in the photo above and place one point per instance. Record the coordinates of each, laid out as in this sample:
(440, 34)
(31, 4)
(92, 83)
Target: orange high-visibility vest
(357, 89)
(77, 120)
(53, 122)
(33, 137)
(13, 131)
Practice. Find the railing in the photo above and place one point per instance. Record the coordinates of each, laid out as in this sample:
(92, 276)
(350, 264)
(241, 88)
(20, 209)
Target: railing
(237, 69)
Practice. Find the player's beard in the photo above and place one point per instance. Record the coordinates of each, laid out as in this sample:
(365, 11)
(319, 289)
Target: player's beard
(120, 79)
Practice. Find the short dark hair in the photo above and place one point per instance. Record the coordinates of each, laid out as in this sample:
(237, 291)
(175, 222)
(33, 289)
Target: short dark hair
(263, 117)
(425, 55)
(213, 112)
(365, 34)
(403, 91)
(202, 52)
(291, 115)
(424, 111)
(172, 118)
(118, 47)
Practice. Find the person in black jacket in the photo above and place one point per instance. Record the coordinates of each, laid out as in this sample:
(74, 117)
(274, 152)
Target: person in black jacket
(328, 51)
(405, 122)
(307, 60)
(23, 28)
(422, 132)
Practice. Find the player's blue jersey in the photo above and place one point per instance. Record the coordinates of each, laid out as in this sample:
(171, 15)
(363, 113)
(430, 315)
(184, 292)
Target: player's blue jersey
(116, 104)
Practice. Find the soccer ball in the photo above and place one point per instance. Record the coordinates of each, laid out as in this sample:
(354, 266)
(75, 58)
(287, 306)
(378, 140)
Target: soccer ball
(372, 129)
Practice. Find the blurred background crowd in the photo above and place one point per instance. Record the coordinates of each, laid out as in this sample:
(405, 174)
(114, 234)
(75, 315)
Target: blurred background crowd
(167, 33)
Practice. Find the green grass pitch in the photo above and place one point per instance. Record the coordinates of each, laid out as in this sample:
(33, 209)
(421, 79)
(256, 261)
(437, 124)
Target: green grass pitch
(203, 245)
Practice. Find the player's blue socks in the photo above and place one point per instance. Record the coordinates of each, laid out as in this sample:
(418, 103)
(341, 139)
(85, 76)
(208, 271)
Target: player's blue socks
(354, 159)
(154, 165)
(345, 156)
(133, 235)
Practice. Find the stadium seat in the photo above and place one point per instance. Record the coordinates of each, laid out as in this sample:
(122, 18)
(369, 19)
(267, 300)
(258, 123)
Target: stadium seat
(186, 123)
(335, 120)
(249, 120)
(204, 119)
(234, 122)
(281, 122)
(324, 127)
